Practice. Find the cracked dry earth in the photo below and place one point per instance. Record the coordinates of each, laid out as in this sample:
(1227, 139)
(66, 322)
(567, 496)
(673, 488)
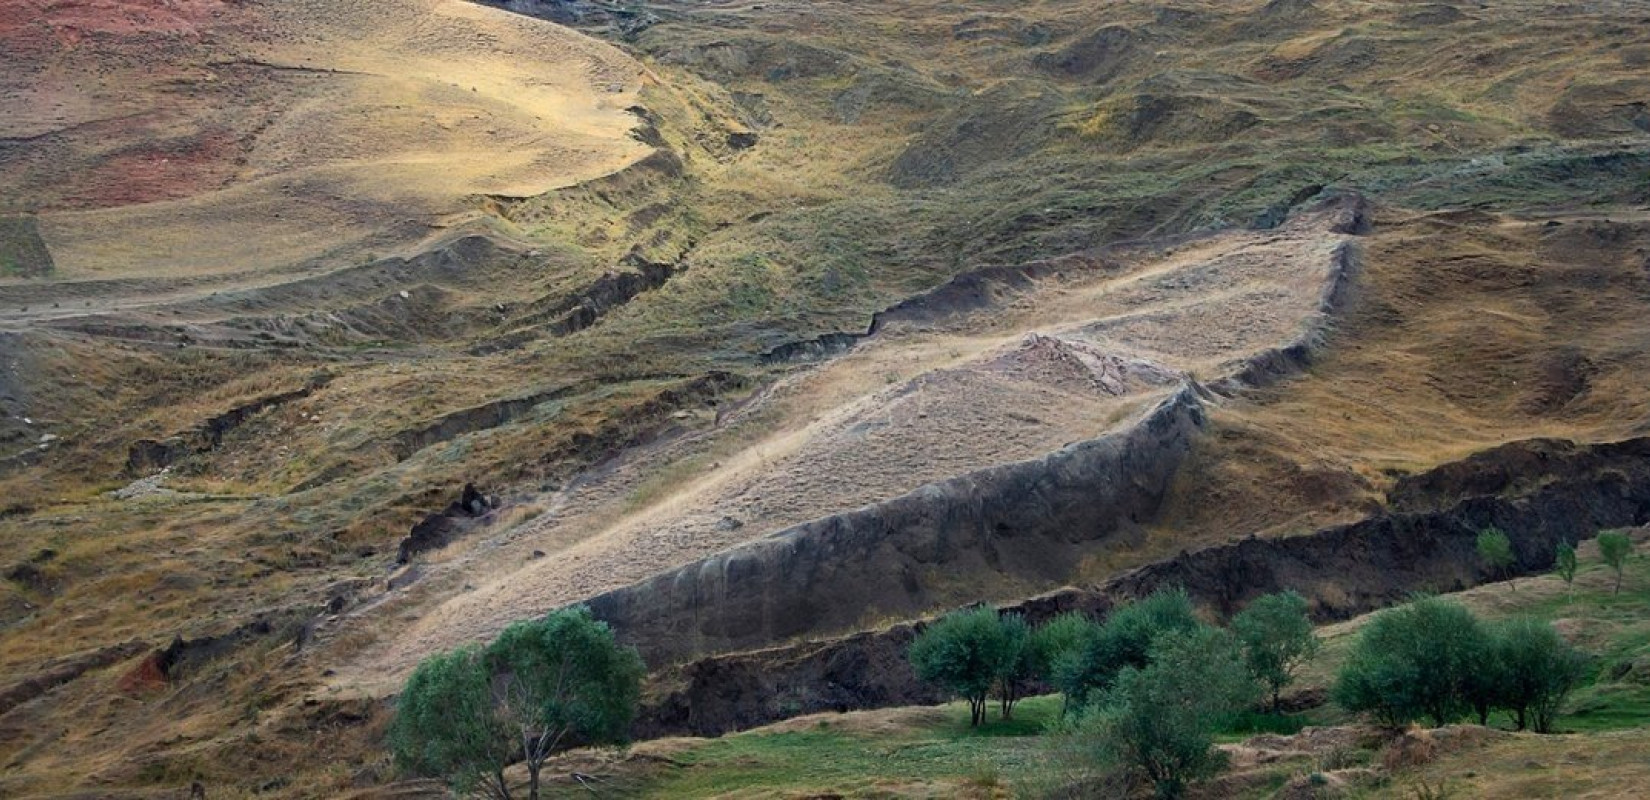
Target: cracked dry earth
(1064, 362)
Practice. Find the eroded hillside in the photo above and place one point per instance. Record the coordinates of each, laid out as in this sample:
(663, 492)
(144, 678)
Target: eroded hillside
(683, 285)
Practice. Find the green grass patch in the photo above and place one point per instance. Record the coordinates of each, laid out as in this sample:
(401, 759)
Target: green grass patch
(935, 755)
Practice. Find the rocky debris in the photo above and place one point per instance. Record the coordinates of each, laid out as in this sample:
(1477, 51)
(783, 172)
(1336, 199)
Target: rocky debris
(870, 672)
(152, 486)
(1080, 367)
(1417, 747)
(561, 315)
(31, 575)
(63, 670)
(443, 527)
(468, 420)
(346, 593)
(817, 348)
(1513, 468)
(1343, 570)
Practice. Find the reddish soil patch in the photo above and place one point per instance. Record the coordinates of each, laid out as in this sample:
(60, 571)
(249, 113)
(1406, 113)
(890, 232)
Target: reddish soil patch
(147, 675)
(160, 170)
(72, 19)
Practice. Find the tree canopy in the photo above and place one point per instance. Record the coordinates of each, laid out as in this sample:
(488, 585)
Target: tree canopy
(542, 686)
(1277, 638)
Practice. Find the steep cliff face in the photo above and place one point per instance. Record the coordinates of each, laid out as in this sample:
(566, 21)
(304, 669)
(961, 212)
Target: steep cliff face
(1026, 521)
(1548, 492)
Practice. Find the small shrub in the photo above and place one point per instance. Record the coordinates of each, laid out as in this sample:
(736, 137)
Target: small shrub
(1158, 720)
(1614, 547)
(1564, 563)
(1495, 550)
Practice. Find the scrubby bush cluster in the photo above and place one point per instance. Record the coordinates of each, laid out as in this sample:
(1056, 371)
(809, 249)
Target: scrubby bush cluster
(1433, 660)
(542, 686)
(1145, 690)
(1148, 688)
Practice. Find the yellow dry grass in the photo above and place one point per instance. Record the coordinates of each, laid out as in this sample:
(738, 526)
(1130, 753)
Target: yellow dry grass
(382, 121)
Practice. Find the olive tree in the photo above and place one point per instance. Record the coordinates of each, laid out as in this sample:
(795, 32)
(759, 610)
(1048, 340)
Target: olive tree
(1537, 669)
(1277, 638)
(562, 681)
(1056, 643)
(1158, 720)
(542, 686)
(1019, 666)
(965, 652)
(1413, 662)
(1124, 640)
(446, 726)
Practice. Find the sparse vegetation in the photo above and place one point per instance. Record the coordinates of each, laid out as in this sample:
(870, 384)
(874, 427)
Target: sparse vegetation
(1495, 549)
(1564, 565)
(1041, 752)
(1614, 547)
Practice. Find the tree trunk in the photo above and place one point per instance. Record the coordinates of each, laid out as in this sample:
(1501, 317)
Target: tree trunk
(533, 780)
(503, 786)
(1277, 700)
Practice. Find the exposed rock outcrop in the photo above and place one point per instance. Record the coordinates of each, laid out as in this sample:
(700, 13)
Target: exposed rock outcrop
(443, 527)
(1540, 492)
(1029, 521)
